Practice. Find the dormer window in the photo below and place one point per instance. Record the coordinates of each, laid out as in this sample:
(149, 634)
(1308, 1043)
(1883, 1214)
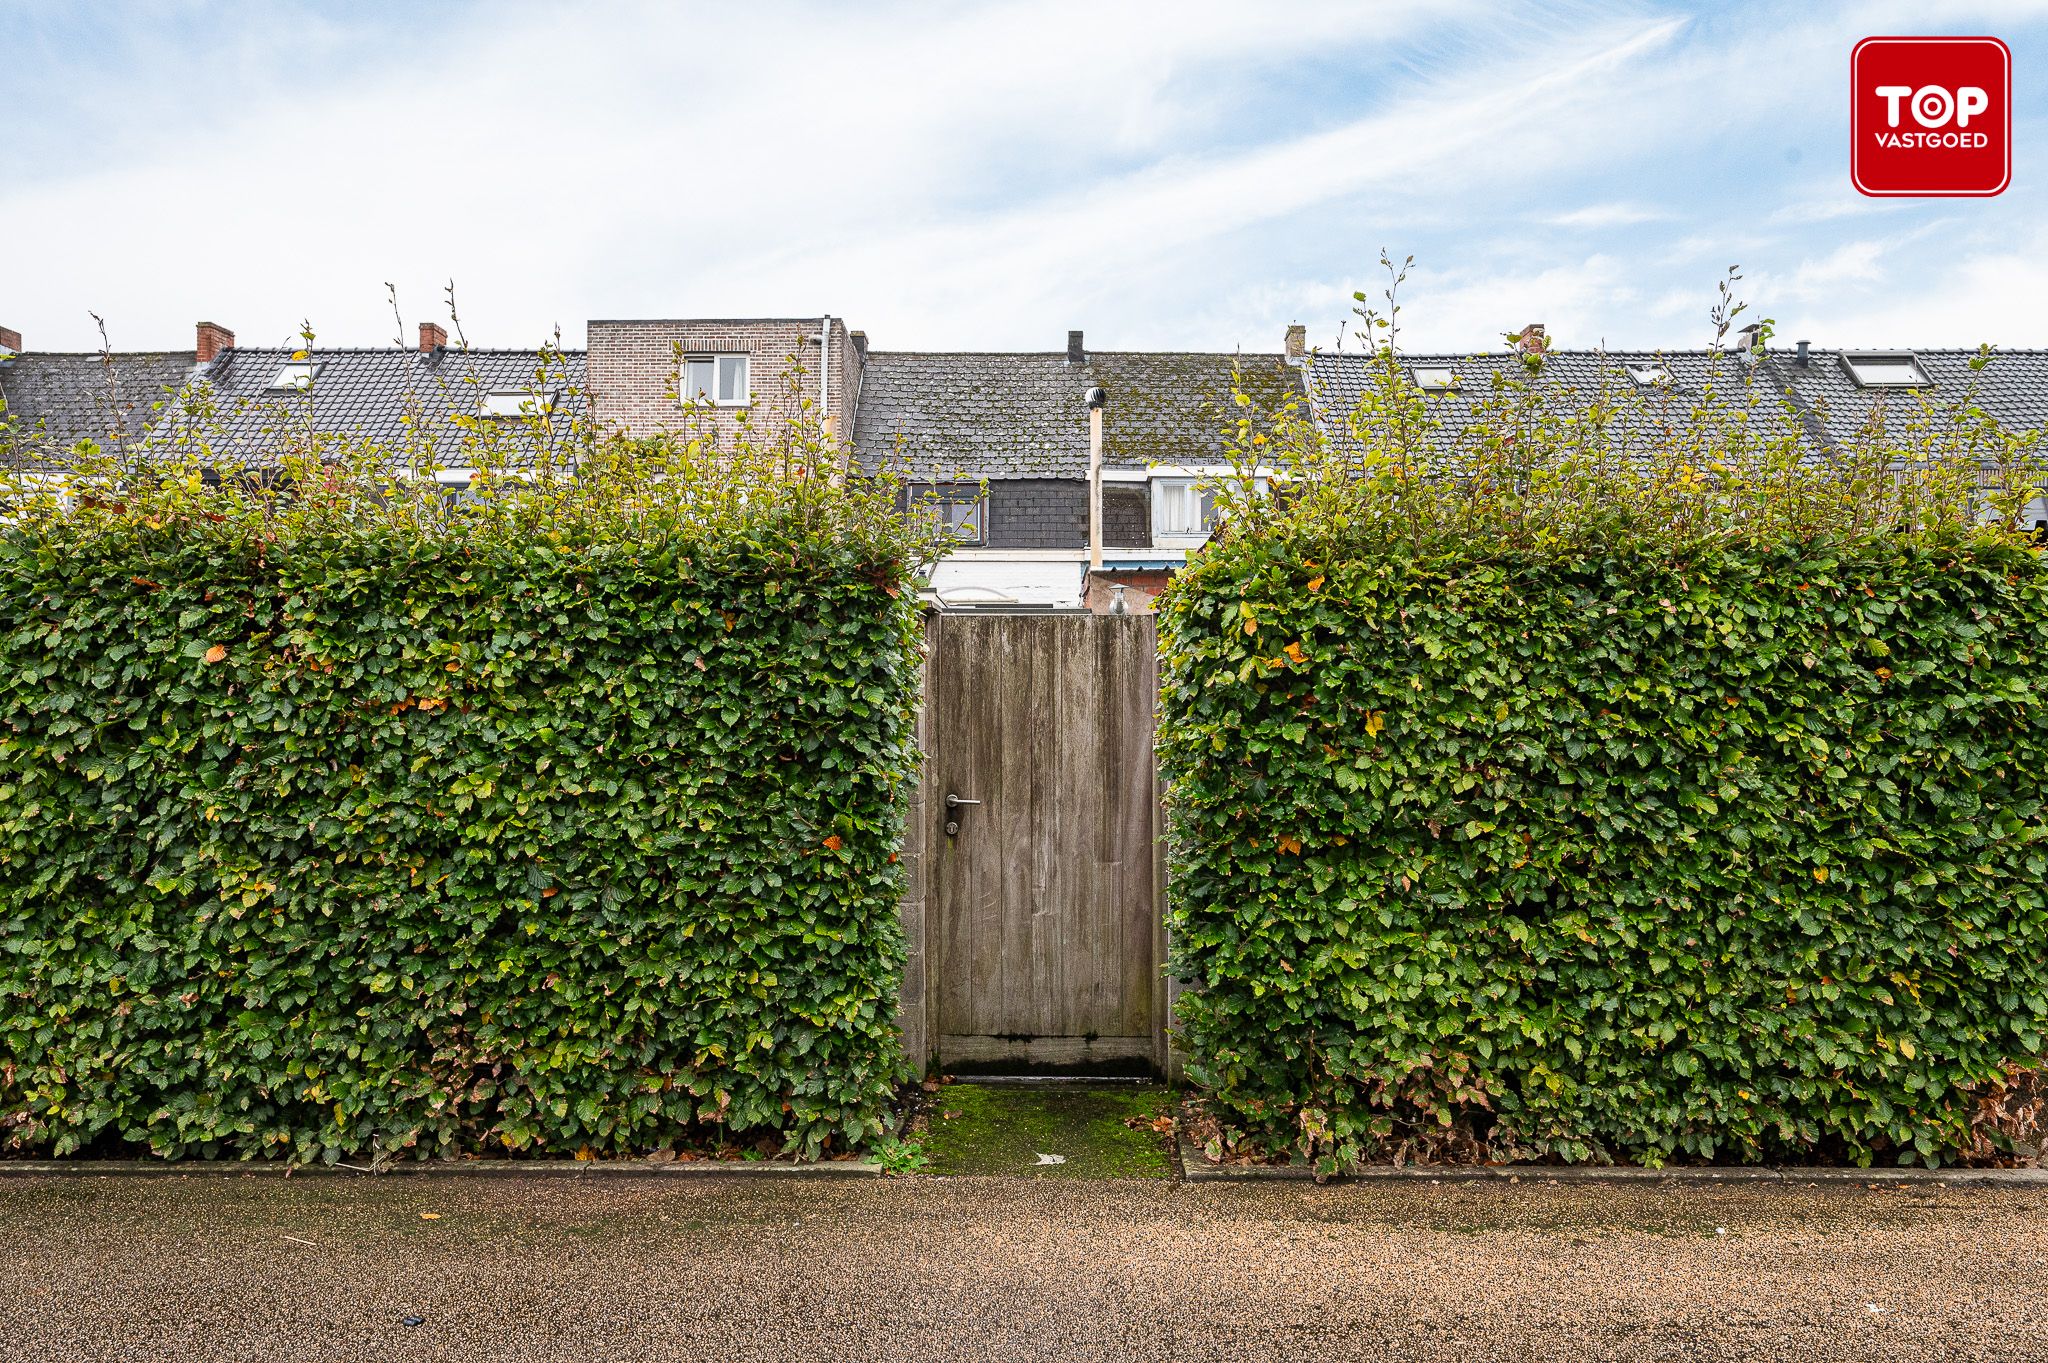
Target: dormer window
(1886, 369)
(515, 403)
(295, 377)
(717, 379)
(1648, 374)
(1434, 378)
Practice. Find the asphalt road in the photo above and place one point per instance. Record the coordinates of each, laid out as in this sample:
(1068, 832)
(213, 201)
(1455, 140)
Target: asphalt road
(1012, 1269)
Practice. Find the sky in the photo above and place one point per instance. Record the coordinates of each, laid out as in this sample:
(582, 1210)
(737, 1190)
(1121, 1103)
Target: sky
(1178, 175)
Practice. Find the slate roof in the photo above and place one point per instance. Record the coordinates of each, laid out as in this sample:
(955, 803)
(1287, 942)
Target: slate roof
(2012, 389)
(1025, 415)
(1819, 399)
(398, 398)
(61, 398)
(1642, 415)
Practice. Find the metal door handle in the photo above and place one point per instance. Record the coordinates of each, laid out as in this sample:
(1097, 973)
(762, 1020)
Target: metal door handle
(954, 802)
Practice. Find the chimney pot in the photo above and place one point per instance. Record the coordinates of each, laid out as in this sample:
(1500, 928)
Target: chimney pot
(1531, 339)
(213, 338)
(10, 339)
(1802, 352)
(1075, 353)
(433, 337)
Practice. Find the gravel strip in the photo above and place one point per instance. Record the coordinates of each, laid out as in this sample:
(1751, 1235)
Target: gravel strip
(983, 1268)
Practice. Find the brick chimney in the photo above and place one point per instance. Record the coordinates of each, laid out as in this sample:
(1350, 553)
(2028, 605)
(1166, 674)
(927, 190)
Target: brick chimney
(1076, 353)
(213, 339)
(1530, 341)
(860, 341)
(433, 337)
(10, 339)
(1297, 343)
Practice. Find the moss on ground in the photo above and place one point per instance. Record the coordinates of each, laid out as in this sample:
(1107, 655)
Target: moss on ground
(1104, 1131)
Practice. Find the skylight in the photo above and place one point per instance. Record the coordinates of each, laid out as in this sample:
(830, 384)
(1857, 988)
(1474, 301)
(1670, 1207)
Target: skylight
(1886, 369)
(295, 377)
(513, 403)
(1649, 374)
(1435, 378)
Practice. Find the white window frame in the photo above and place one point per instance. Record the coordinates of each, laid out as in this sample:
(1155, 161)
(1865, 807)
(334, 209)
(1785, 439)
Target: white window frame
(523, 403)
(1852, 360)
(1170, 499)
(295, 376)
(1447, 384)
(1181, 475)
(718, 360)
(1648, 373)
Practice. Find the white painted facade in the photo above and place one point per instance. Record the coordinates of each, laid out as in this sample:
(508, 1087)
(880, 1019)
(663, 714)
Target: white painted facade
(1049, 578)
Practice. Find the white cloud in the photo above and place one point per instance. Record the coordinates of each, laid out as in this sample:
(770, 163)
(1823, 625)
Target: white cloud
(1914, 296)
(643, 159)
(1607, 215)
(1194, 174)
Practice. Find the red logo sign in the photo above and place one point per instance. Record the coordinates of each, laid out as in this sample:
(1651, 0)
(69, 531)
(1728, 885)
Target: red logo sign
(1930, 117)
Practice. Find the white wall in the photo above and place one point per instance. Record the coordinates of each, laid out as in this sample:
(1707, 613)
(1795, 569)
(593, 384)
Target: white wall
(964, 580)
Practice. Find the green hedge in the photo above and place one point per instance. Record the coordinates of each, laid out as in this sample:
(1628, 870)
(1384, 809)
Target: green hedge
(378, 842)
(1734, 857)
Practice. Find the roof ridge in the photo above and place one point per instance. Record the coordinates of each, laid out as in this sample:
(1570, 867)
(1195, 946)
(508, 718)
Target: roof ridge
(1909, 349)
(1062, 355)
(386, 350)
(97, 354)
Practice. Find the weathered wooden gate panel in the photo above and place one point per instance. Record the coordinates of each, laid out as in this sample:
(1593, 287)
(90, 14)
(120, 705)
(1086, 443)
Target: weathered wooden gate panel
(1042, 918)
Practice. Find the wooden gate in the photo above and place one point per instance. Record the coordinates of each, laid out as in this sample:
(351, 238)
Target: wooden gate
(1045, 935)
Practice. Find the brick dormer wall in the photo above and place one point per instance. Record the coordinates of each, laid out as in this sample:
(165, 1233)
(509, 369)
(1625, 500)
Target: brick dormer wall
(632, 370)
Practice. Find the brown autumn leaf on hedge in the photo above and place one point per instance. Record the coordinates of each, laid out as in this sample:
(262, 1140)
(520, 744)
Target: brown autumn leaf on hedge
(216, 653)
(833, 842)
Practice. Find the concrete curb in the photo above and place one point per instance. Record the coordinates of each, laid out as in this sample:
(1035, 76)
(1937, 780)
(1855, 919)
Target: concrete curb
(570, 1169)
(1197, 1169)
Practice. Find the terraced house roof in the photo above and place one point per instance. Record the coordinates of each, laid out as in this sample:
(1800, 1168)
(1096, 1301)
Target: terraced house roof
(1025, 415)
(61, 398)
(1649, 392)
(1818, 400)
(2012, 389)
(247, 404)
